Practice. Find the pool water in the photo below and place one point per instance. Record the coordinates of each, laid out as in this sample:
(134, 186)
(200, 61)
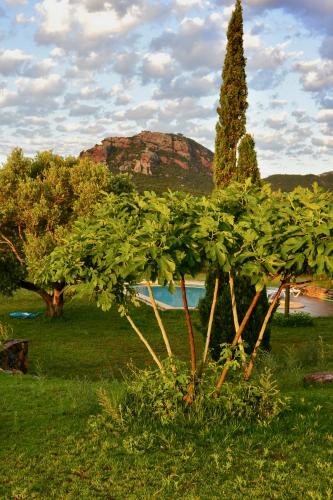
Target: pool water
(174, 300)
(162, 294)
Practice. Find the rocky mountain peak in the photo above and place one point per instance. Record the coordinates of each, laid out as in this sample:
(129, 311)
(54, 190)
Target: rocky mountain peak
(152, 154)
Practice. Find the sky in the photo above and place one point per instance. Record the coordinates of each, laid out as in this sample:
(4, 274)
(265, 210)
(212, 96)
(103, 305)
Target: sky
(73, 72)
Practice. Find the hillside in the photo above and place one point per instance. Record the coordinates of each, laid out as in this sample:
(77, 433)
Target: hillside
(289, 182)
(160, 161)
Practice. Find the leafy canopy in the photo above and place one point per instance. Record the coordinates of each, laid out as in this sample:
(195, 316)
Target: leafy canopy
(40, 198)
(251, 231)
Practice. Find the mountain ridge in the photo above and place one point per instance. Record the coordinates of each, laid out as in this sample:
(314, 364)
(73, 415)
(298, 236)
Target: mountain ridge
(161, 161)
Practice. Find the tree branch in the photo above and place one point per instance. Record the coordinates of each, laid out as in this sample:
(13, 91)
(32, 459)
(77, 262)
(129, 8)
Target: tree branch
(12, 247)
(27, 285)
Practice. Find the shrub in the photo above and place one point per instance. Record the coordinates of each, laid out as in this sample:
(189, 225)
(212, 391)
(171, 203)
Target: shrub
(223, 325)
(294, 320)
(148, 396)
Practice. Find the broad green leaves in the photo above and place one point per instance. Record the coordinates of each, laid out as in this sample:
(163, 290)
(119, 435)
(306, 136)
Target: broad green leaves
(251, 231)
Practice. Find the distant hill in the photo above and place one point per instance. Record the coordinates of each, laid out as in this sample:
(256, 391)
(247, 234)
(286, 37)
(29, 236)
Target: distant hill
(289, 182)
(159, 161)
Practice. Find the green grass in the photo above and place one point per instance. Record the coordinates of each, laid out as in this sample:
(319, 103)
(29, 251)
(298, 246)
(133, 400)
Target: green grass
(52, 445)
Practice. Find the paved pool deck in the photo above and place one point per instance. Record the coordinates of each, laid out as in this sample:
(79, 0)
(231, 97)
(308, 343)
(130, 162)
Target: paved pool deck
(315, 307)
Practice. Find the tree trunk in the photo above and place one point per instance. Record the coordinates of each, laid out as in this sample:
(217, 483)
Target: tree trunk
(210, 325)
(146, 343)
(287, 301)
(235, 316)
(190, 396)
(189, 328)
(225, 369)
(54, 302)
(249, 369)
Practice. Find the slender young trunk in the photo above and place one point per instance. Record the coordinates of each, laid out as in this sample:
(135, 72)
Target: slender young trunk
(287, 301)
(189, 328)
(249, 369)
(243, 324)
(159, 320)
(235, 316)
(146, 343)
(209, 329)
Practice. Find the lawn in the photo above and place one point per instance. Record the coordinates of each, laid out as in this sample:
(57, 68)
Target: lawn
(53, 444)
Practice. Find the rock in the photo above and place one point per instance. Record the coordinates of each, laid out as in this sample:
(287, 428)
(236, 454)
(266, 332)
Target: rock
(154, 154)
(318, 378)
(13, 356)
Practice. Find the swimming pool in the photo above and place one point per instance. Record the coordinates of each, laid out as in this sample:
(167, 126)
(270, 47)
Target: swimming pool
(168, 300)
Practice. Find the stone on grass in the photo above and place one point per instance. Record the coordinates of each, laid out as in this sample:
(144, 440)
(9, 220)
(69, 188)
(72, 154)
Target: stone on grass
(14, 356)
(318, 378)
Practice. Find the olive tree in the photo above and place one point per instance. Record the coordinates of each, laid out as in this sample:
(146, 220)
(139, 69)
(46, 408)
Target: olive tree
(40, 198)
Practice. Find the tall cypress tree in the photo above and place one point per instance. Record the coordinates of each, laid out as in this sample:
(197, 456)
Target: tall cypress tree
(231, 125)
(230, 133)
(247, 164)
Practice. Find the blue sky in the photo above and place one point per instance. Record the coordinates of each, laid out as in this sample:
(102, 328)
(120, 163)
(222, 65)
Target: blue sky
(73, 72)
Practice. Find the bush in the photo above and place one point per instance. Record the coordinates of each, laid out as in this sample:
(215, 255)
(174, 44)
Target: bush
(294, 320)
(148, 396)
(223, 326)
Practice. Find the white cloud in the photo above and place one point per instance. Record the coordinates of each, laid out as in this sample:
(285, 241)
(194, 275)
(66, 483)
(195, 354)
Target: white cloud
(141, 112)
(325, 143)
(51, 85)
(12, 60)
(198, 43)
(189, 3)
(188, 85)
(125, 63)
(39, 69)
(84, 110)
(121, 97)
(57, 52)
(314, 14)
(34, 93)
(23, 19)
(316, 75)
(157, 65)
(325, 115)
(277, 121)
(270, 57)
(71, 25)
(14, 3)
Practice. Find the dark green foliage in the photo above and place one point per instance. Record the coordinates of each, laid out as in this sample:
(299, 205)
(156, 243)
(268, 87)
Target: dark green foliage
(11, 273)
(223, 325)
(233, 102)
(176, 179)
(294, 320)
(247, 165)
(121, 183)
(230, 131)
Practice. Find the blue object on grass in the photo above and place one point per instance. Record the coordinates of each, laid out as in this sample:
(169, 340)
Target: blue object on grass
(23, 315)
